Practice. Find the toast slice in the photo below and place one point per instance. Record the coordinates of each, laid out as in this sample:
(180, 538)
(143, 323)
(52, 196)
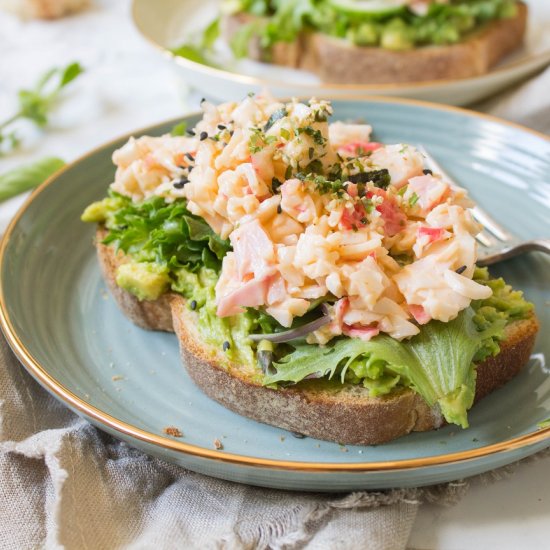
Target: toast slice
(147, 314)
(338, 61)
(343, 414)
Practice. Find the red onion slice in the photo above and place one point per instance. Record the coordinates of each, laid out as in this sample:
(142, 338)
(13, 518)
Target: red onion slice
(295, 333)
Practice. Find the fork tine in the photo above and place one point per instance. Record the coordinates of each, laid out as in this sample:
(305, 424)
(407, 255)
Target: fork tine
(491, 225)
(485, 239)
(480, 215)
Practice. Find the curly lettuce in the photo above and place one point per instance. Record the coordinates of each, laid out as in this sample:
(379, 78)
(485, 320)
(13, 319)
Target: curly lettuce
(439, 363)
(157, 231)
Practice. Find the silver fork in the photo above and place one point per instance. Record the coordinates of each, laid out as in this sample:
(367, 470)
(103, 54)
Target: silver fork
(497, 243)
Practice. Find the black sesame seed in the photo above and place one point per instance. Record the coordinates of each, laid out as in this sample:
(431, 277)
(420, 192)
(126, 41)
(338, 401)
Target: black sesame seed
(180, 183)
(298, 435)
(427, 172)
(461, 269)
(279, 209)
(191, 132)
(189, 156)
(193, 305)
(226, 345)
(231, 133)
(203, 136)
(203, 100)
(221, 127)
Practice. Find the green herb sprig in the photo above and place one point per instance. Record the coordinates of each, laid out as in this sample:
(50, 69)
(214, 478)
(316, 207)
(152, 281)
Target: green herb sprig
(37, 103)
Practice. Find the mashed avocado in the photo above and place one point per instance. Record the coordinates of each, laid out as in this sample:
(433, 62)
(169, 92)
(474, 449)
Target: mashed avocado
(395, 28)
(101, 211)
(146, 280)
(229, 333)
(170, 249)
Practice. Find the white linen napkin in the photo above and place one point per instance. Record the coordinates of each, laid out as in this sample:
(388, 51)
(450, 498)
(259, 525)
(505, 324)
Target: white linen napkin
(68, 485)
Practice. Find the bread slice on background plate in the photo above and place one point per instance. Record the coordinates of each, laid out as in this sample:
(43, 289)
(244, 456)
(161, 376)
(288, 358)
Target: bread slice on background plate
(338, 61)
(147, 314)
(345, 414)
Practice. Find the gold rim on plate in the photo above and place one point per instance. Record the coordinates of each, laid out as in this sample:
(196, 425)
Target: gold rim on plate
(41, 374)
(541, 57)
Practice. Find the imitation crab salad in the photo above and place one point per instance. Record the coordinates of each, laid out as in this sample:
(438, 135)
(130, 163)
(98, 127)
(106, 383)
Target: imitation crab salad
(309, 251)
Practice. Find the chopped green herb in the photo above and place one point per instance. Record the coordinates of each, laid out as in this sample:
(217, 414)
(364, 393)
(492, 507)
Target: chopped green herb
(277, 115)
(179, 129)
(275, 184)
(413, 200)
(315, 167)
(367, 205)
(380, 178)
(544, 424)
(317, 135)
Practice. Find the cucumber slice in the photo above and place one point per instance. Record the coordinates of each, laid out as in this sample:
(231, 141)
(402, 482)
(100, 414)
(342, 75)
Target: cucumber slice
(369, 7)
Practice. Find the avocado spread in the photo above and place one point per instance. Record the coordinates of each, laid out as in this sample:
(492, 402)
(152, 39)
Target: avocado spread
(393, 28)
(171, 249)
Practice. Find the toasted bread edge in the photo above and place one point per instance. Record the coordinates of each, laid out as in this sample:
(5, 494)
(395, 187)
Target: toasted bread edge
(347, 415)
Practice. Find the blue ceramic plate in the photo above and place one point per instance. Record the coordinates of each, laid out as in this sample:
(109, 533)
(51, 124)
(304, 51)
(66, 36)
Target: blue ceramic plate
(67, 331)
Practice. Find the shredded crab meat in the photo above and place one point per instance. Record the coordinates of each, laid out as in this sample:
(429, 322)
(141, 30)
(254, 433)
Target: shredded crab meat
(312, 209)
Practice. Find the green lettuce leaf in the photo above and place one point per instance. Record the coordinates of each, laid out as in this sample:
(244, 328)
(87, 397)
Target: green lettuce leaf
(284, 20)
(157, 231)
(437, 363)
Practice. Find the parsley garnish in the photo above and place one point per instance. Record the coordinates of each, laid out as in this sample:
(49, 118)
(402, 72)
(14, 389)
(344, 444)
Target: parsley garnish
(317, 135)
(277, 115)
(179, 129)
(380, 178)
(414, 199)
(258, 140)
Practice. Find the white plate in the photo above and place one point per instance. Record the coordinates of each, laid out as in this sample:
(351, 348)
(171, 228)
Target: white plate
(167, 24)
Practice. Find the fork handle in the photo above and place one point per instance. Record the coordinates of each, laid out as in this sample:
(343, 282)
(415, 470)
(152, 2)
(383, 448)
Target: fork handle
(539, 245)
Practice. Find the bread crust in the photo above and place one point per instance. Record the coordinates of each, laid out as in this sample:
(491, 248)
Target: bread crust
(347, 415)
(147, 314)
(337, 61)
